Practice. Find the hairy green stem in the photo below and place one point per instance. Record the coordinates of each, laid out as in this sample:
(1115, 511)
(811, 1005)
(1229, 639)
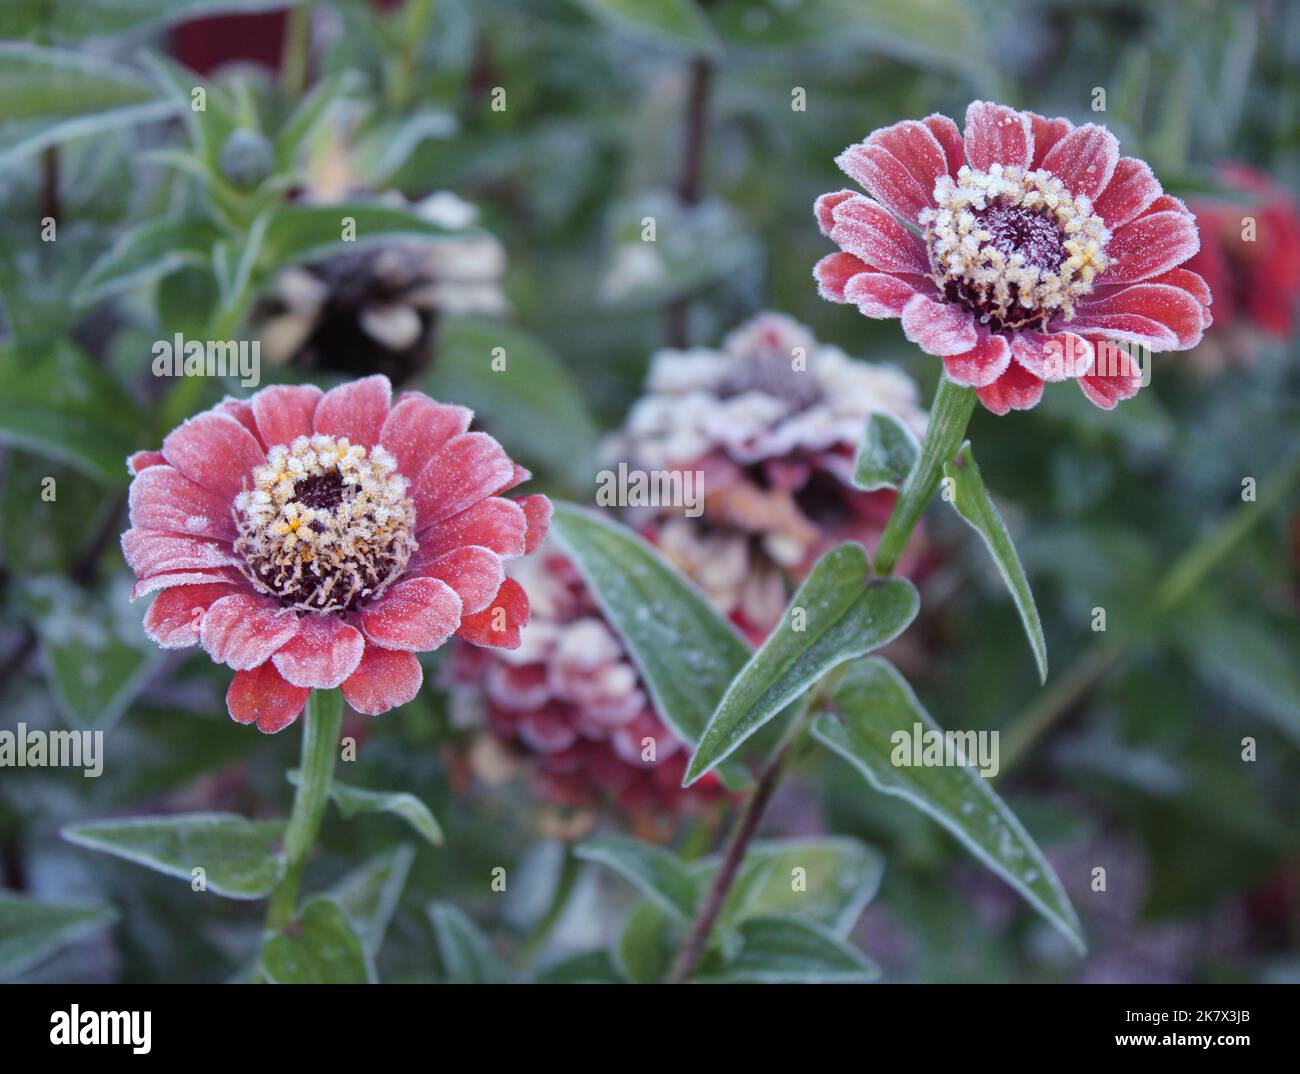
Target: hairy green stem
(949, 416)
(320, 740)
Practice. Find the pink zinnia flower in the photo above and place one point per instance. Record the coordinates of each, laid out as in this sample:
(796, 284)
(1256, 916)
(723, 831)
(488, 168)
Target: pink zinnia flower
(315, 540)
(1015, 252)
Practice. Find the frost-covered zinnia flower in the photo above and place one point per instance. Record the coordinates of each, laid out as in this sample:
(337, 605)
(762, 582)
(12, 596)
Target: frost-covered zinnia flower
(316, 540)
(1250, 256)
(1015, 252)
(770, 422)
(375, 310)
(571, 698)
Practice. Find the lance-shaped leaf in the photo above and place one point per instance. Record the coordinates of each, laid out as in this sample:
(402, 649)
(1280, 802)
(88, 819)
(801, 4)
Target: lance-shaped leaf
(838, 613)
(368, 895)
(352, 801)
(152, 250)
(31, 930)
(322, 948)
(789, 950)
(685, 651)
(886, 454)
(877, 715)
(238, 856)
(656, 872)
(973, 503)
(468, 956)
(302, 232)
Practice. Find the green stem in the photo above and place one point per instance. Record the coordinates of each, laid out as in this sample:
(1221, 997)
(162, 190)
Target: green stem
(297, 48)
(1177, 584)
(949, 416)
(418, 17)
(320, 740)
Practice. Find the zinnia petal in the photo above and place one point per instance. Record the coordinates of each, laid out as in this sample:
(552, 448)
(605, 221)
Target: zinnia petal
(982, 364)
(949, 138)
(243, 630)
(284, 412)
(939, 328)
(384, 679)
(469, 468)
(325, 651)
(215, 451)
(495, 523)
(261, 696)
(498, 626)
(162, 498)
(1052, 356)
(996, 134)
(417, 427)
(1084, 160)
(1115, 376)
(150, 552)
(1016, 389)
(174, 618)
(417, 614)
(880, 294)
(1151, 245)
(869, 231)
(1131, 190)
(473, 572)
(356, 410)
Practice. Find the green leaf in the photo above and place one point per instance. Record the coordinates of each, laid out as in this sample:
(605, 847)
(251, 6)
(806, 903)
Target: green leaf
(787, 950)
(534, 406)
(873, 705)
(886, 454)
(31, 930)
(36, 81)
(467, 955)
(301, 232)
(838, 613)
(656, 872)
(62, 405)
(323, 948)
(828, 881)
(238, 856)
(98, 656)
(149, 251)
(648, 944)
(22, 138)
(368, 895)
(686, 652)
(824, 881)
(679, 23)
(590, 967)
(354, 800)
(973, 503)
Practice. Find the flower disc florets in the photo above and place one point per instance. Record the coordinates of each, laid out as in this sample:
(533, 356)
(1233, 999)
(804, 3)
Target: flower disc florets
(1016, 247)
(325, 524)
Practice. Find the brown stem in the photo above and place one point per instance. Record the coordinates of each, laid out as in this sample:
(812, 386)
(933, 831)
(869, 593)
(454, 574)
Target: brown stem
(689, 957)
(689, 178)
(50, 183)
